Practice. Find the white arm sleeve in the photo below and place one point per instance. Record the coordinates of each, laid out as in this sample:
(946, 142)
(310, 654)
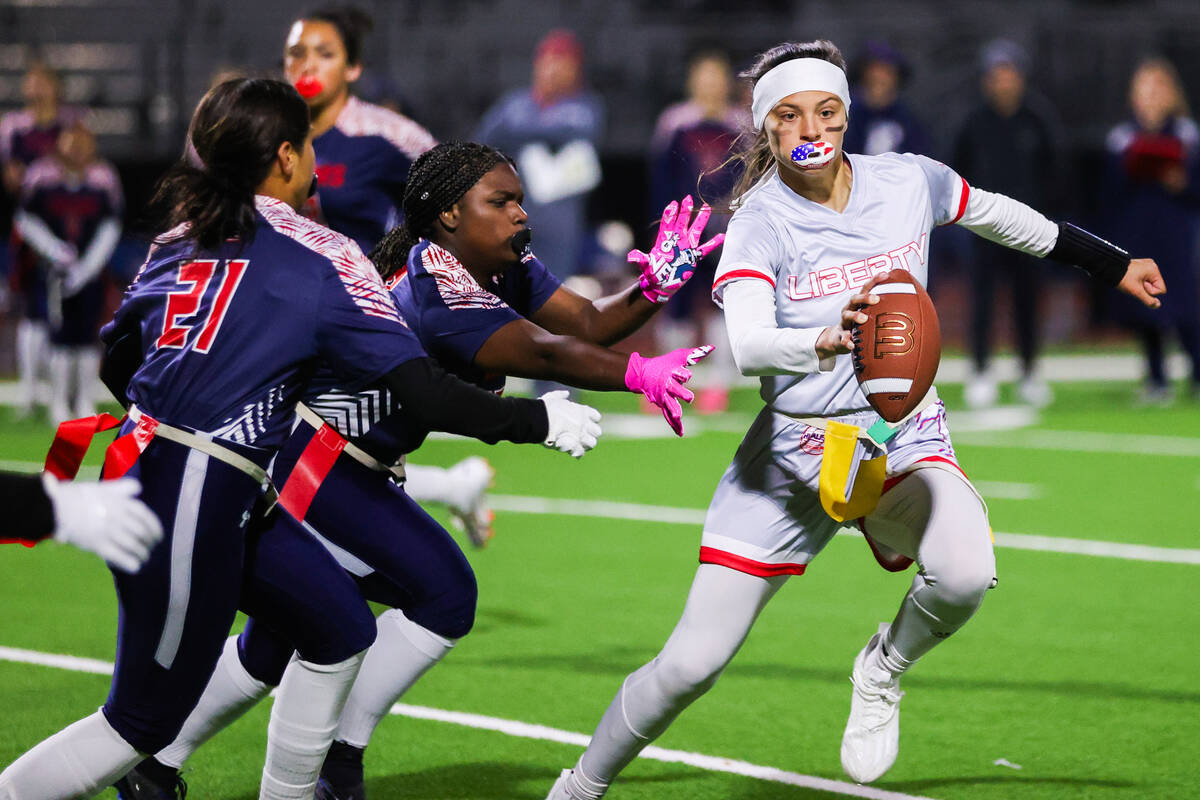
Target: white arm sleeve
(37, 234)
(759, 346)
(1009, 222)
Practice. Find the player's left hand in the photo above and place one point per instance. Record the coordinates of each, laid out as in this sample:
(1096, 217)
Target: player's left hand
(677, 250)
(1143, 281)
(662, 380)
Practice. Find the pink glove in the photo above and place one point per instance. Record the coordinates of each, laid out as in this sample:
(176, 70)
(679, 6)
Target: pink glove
(676, 251)
(662, 380)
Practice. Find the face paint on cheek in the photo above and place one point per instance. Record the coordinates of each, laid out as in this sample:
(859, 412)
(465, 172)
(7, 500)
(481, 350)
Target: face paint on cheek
(811, 155)
(309, 87)
(836, 128)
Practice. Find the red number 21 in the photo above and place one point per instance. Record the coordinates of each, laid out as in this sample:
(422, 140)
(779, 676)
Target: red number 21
(186, 303)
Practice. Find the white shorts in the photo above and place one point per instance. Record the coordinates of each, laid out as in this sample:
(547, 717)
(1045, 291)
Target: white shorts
(766, 517)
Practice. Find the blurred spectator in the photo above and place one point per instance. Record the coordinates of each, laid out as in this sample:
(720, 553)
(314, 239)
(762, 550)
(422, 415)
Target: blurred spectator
(25, 136)
(1153, 207)
(689, 154)
(1008, 144)
(551, 129)
(882, 122)
(69, 215)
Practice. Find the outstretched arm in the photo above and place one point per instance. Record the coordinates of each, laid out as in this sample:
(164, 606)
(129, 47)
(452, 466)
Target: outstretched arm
(665, 269)
(523, 349)
(1011, 223)
(600, 322)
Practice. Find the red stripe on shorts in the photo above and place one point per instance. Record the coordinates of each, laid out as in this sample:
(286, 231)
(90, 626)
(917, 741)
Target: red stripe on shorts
(710, 555)
(895, 479)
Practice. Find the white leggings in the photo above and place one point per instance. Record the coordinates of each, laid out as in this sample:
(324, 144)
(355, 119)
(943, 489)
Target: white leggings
(933, 516)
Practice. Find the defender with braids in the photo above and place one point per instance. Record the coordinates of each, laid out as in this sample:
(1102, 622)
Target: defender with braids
(811, 230)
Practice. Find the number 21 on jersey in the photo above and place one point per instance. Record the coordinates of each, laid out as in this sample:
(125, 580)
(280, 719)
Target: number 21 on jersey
(183, 311)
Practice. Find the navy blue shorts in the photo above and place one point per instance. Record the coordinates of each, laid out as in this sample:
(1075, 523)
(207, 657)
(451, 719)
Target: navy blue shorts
(399, 556)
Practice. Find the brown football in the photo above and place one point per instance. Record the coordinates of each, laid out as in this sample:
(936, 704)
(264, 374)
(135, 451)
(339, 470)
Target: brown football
(896, 351)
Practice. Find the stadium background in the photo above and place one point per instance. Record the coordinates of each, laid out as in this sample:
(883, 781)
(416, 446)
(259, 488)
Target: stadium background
(1076, 680)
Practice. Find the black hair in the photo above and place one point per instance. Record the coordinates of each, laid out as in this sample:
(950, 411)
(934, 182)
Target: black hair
(233, 140)
(352, 23)
(436, 181)
(756, 158)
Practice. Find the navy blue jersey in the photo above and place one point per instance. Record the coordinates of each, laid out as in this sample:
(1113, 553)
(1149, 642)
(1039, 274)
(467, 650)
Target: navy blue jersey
(362, 166)
(452, 316)
(232, 336)
(71, 205)
(23, 141)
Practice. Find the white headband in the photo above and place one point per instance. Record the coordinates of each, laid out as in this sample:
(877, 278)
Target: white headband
(797, 75)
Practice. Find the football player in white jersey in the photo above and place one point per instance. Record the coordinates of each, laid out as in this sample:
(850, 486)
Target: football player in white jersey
(812, 227)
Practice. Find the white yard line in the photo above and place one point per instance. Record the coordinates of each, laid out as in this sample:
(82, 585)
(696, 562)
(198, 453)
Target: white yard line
(689, 516)
(1007, 490)
(526, 730)
(1085, 442)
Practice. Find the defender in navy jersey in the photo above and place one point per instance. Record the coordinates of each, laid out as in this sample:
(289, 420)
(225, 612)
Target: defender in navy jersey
(363, 151)
(212, 346)
(397, 553)
(70, 216)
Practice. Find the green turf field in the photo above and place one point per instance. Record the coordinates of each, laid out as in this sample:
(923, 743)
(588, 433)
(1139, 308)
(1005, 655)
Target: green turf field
(1078, 669)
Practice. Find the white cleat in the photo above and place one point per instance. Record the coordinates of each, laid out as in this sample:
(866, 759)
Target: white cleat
(1035, 392)
(981, 392)
(469, 509)
(559, 790)
(872, 738)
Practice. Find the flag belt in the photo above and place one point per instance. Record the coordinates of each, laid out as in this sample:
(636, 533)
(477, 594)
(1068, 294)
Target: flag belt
(843, 496)
(317, 460)
(74, 437)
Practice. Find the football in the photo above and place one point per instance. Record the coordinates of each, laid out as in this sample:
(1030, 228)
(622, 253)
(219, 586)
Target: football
(897, 350)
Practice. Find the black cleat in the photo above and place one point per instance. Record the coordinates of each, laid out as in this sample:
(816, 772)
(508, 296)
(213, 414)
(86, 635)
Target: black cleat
(342, 774)
(151, 780)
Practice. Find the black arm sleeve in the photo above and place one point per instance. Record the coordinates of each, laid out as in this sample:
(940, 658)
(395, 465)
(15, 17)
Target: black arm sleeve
(29, 515)
(121, 360)
(1102, 260)
(436, 400)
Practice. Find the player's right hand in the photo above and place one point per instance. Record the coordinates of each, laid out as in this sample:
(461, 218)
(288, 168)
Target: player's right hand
(839, 339)
(105, 518)
(574, 428)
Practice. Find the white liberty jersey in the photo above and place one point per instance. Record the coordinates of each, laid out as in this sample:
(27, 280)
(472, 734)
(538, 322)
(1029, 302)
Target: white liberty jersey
(816, 258)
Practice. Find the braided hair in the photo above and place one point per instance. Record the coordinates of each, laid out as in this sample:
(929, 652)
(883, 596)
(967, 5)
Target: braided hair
(436, 181)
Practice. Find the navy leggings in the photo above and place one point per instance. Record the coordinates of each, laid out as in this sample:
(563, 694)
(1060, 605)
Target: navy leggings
(400, 557)
(176, 611)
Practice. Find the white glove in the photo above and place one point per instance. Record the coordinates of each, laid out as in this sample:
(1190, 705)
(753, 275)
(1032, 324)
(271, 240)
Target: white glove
(574, 427)
(105, 518)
